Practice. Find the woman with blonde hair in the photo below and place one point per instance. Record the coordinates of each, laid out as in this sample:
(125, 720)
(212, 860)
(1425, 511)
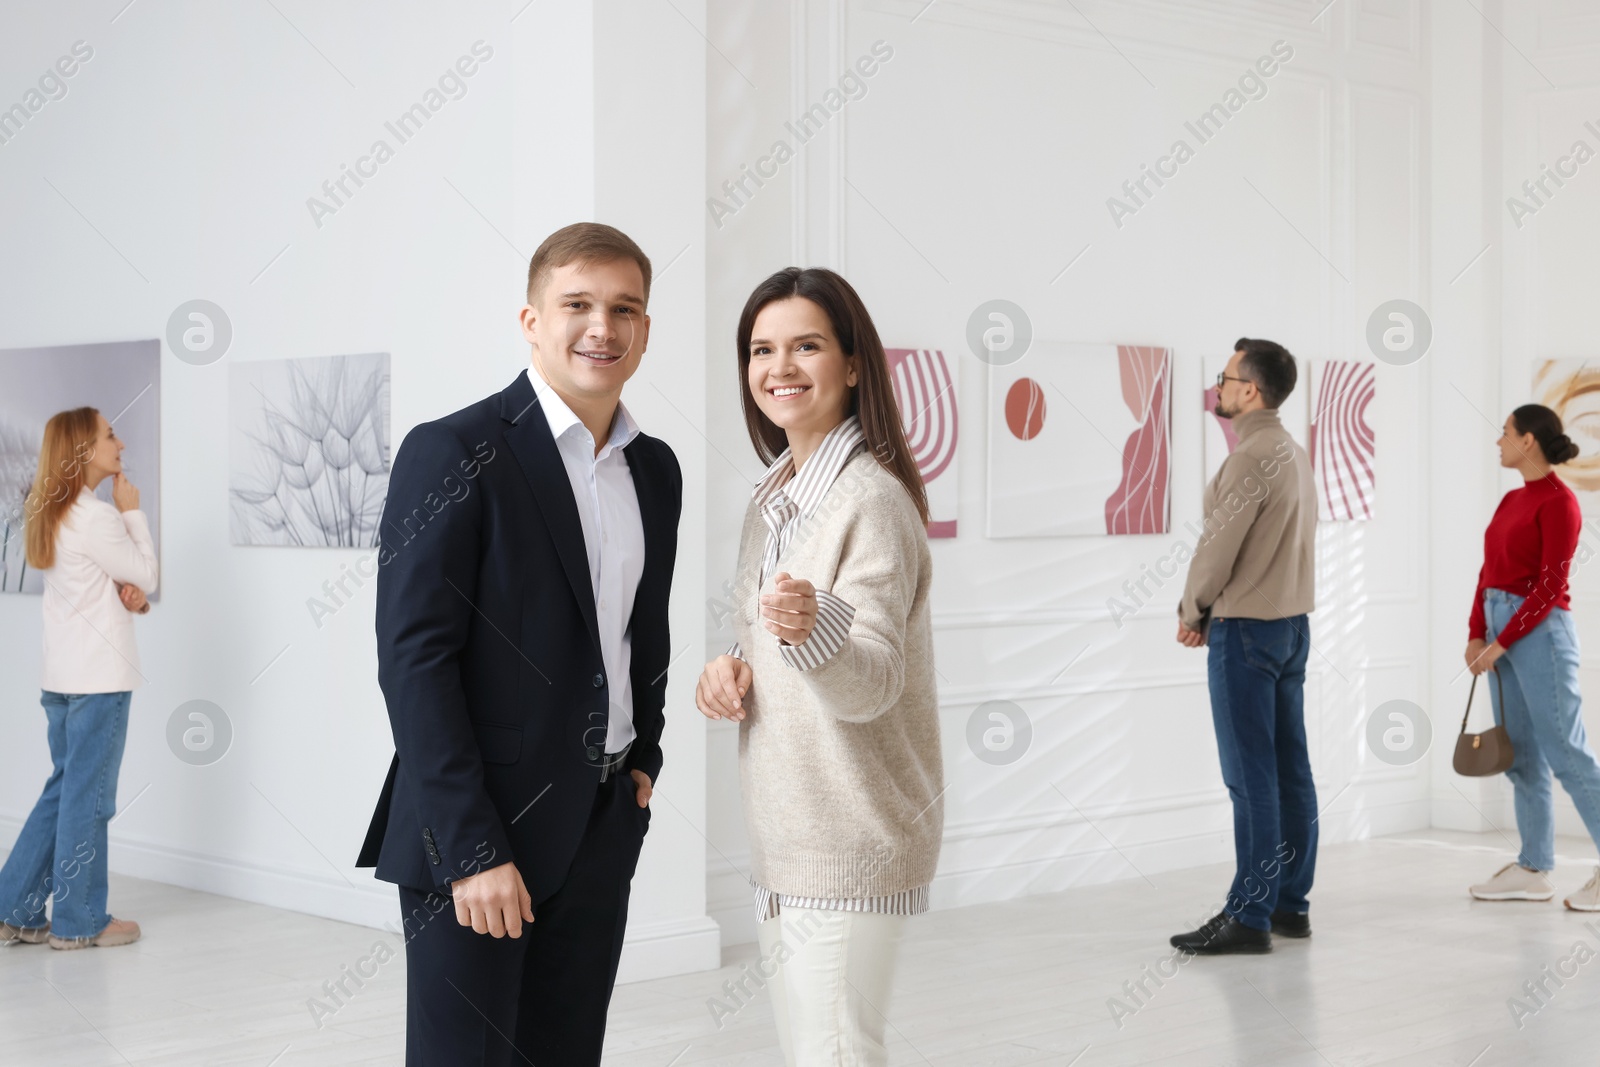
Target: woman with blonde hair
(98, 562)
(832, 679)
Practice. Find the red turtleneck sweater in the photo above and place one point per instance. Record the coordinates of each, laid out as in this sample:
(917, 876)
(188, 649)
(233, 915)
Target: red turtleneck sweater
(1528, 551)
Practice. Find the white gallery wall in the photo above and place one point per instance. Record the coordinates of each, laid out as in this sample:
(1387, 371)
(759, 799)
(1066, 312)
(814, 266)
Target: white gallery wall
(978, 164)
(179, 165)
(1542, 101)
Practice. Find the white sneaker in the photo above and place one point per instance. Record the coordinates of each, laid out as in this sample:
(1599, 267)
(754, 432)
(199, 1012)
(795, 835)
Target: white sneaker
(1587, 898)
(1514, 882)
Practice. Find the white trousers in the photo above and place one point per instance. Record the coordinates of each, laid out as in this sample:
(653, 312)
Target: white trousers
(830, 997)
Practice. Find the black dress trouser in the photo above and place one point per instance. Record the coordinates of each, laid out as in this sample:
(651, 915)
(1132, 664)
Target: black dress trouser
(541, 999)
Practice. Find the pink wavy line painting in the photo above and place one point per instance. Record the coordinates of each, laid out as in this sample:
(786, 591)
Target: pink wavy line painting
(1343, 446)
(1139, 505)
(925, 393)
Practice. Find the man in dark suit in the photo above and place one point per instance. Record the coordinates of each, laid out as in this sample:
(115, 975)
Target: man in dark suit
(528, 547)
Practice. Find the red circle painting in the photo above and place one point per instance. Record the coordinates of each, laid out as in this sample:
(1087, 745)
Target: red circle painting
(1025, 409)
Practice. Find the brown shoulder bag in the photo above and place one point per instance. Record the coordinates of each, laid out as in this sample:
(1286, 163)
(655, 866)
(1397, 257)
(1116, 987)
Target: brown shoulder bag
(1480, 755)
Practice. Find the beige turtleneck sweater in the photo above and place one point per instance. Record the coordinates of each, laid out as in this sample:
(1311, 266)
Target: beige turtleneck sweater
(1256, 556)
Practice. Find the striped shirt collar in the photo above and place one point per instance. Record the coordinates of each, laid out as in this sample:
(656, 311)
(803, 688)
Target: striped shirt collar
(806, 489)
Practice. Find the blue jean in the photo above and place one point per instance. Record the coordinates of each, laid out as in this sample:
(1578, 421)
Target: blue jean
(1542, 710)
(61, 852)
(1257, 671)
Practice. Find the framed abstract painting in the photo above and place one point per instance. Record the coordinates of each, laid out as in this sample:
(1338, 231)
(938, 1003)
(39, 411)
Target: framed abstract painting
(1343, 444)
(925, 388)
(309, 450)
(1571, 388)
(1080, 441)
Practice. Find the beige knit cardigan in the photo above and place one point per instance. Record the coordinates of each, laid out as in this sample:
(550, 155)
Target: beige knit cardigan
(840, 765)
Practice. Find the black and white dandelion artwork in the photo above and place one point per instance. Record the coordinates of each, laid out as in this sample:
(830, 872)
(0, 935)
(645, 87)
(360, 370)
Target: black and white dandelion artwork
(309, 462)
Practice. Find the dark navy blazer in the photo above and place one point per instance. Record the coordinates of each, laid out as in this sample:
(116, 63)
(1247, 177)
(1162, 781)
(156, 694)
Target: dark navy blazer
(489, 653)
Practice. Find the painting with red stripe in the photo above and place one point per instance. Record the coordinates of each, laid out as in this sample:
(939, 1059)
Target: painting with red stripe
(925, 388)
(1080, 441)
(1343, 447)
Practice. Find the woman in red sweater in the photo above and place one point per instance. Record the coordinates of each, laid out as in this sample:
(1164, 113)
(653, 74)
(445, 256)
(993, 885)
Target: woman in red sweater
(1522, 630)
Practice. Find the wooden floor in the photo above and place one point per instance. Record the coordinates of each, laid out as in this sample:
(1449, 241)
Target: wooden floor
(1403, 968)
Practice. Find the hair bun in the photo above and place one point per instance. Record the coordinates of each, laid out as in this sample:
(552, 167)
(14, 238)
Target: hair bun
(1566, 449)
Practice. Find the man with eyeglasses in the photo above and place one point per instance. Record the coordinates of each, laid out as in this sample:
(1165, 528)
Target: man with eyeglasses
(1246, 599)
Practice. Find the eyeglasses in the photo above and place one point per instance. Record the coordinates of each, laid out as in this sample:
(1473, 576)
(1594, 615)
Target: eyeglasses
(1225, 377)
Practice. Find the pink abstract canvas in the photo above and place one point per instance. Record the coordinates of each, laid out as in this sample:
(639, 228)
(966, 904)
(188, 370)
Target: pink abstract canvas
(1079, 441)
(1343, 446)
(925, 390)
(1139, 504)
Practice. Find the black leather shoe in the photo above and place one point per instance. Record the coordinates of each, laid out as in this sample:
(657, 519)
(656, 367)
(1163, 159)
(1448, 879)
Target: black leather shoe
(1291, 924)
(1207, 931)
(1224, 935)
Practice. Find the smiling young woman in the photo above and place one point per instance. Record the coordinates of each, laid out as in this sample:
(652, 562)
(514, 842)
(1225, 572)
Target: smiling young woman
(823, 299)
(831, 679)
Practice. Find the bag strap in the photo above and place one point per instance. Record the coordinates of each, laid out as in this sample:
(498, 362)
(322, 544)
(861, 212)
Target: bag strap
(1499, 683)
(1470, 693)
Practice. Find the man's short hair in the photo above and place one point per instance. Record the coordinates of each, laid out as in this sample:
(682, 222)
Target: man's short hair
(1270, 366)
(583, 242)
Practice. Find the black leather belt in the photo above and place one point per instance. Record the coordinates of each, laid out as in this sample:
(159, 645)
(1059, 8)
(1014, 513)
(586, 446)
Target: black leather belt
(613, 761)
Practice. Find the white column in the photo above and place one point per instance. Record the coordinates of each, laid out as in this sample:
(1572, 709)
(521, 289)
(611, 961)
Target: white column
(649, 94)
(1466, 390)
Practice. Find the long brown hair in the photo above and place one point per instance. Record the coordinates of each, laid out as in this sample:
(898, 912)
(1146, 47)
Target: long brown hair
(872, 399)
(69, 440)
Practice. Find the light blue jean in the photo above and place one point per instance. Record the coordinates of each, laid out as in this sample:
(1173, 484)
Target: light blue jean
(61, 852)
(1542, 711)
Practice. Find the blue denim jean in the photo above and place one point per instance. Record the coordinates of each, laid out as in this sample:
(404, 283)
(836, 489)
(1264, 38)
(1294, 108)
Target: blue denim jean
(1257, 671)
(1542, 710)
(61, 853)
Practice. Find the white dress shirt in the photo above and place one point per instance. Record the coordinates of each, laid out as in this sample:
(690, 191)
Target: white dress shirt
(613, 534)
(88, 634)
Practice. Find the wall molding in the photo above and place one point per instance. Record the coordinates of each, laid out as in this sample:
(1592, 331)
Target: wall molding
(1567, 29)
(1082, 614)
(1364, 19)
(1072, 615)
(819, 202)
(1074, 26)
(962, 696)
